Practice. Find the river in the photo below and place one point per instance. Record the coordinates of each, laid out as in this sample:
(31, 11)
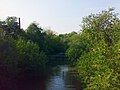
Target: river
(63, 78)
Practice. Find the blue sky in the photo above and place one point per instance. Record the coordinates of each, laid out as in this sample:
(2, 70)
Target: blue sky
(63, 16)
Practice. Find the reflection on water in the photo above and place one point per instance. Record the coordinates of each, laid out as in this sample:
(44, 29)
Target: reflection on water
(62, 79)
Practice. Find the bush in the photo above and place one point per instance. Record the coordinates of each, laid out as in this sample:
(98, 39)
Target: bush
(30, 57)
(96, 51)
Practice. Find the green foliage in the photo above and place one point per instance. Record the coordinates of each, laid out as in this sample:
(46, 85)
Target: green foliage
(96, 51)
(11, 21)
(53, 44)
(8, 56)
(29, 56)
(34, 33)
(78, 44)
(19, 54)
(27, 51)
(11, 27)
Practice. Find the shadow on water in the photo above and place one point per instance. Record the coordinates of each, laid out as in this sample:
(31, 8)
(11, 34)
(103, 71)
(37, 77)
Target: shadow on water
(63, 78)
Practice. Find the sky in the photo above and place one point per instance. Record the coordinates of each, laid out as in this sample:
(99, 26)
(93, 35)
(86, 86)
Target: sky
(61, 16)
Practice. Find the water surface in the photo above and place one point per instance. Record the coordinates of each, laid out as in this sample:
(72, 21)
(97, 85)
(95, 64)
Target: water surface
(63, 78)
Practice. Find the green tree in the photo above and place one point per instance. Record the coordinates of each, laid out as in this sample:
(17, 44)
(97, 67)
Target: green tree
(34, 33)
(54, 44)
(30, 57)
(96, 51)
(11, 27)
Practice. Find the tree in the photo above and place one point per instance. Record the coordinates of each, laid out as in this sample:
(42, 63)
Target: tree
(11, 27)
(104, 22)
(30, 57)
(34, 33)
(53, 43)
(96, 51)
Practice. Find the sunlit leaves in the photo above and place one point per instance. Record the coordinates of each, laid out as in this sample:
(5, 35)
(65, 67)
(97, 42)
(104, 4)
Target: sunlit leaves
(97, 51)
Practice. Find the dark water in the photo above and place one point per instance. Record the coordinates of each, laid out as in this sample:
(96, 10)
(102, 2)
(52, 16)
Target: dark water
(63, 78)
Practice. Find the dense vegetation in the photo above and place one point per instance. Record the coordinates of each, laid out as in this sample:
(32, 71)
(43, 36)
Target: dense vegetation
(96, 51)
(25, 52)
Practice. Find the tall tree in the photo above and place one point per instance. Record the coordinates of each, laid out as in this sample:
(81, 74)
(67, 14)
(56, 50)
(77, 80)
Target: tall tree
(35, 34)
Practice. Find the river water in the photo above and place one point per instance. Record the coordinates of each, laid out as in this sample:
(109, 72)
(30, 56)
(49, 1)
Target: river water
(63, 78)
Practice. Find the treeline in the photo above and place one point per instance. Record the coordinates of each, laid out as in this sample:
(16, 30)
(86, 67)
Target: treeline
(27, 51)
(96, 51)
